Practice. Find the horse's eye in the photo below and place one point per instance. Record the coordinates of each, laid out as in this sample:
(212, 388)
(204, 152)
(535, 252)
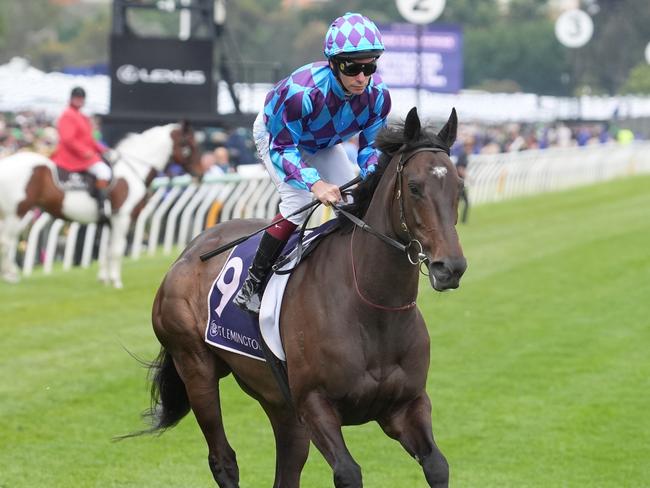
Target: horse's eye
(415, 189)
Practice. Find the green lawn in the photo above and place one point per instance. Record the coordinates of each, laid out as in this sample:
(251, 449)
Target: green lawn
(540, 372)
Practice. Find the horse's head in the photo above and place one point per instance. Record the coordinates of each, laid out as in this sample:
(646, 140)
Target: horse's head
(185, 149)
(429, 186)
(419, 185)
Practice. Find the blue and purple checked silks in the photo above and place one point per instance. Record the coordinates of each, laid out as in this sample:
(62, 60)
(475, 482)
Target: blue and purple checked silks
(310, 110)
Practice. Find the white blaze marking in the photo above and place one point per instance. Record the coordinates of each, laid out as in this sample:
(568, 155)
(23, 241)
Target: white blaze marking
(439, 171)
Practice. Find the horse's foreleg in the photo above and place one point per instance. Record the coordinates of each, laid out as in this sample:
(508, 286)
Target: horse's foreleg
(325, 429)
(411, 426)
(200, 371)
(9, 233)
(291, 446)
(102, 261)
(116, 248)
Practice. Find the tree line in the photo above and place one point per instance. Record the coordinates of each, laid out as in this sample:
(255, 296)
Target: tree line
(508, 46)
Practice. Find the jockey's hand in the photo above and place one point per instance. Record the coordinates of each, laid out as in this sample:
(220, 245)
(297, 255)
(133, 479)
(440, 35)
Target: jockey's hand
(326, 192)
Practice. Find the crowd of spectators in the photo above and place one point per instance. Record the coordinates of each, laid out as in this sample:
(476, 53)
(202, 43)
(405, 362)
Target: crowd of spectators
(513, 137)
(225, 150)
(26, 130)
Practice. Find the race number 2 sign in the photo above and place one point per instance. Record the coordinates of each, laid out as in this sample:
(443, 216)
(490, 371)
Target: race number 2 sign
(420, 11)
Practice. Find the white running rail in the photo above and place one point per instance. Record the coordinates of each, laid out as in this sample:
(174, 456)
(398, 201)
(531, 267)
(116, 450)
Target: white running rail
(180, 208)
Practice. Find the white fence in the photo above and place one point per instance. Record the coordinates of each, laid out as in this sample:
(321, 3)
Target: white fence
(179, 209)
(496, 177)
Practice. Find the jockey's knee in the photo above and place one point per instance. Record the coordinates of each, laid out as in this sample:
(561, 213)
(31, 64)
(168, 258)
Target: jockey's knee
(101, 171)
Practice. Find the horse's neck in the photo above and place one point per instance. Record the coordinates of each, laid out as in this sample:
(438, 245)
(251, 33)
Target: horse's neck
(380, 266)
(148, 150)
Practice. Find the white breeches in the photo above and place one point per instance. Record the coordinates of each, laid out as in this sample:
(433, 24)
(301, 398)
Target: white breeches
(100, 170)
(332, 164)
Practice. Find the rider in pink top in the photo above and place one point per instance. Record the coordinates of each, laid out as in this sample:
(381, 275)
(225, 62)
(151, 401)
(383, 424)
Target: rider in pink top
(78, 150)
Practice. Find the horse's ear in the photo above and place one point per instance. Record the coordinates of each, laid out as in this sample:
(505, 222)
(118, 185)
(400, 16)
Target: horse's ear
(186, 126)
(412, 125)
(448, 132)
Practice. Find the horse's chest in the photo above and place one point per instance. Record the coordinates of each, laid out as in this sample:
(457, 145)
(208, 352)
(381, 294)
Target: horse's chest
(377, 391)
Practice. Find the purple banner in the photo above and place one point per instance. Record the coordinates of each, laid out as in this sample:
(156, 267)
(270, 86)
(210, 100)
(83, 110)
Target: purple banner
(441, 48)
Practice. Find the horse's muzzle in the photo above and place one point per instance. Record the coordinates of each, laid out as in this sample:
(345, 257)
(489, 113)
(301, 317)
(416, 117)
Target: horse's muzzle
(445, 274)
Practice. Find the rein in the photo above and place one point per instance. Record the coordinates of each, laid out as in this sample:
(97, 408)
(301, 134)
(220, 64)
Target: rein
(413, 244)
(408, 306)
(413, 249)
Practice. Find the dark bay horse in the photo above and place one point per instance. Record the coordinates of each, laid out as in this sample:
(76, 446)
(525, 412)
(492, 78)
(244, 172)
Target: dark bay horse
(28, 180)
(356, 344)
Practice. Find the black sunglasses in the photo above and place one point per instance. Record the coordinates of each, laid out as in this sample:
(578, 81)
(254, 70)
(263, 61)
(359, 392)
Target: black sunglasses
(350, 68)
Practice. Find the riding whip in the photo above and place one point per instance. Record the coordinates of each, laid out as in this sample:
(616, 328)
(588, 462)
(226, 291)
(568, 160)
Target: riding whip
(225, 247)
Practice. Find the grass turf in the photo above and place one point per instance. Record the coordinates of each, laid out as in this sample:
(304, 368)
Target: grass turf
(539, 374)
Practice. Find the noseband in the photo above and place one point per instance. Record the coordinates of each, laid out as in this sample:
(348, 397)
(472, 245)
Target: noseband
(413, 249)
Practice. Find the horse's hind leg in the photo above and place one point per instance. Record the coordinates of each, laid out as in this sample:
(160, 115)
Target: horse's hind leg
(291, 446)
(201, 370)
(411, 426)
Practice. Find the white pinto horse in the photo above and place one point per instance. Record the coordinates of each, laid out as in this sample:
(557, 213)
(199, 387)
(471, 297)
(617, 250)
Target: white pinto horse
(29, 180)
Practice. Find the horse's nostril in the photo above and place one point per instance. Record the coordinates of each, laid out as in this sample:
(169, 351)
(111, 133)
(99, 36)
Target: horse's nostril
(440, 270)
(446, 269)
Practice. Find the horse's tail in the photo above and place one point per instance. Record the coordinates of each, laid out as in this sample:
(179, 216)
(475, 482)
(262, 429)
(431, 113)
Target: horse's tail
(169, 401)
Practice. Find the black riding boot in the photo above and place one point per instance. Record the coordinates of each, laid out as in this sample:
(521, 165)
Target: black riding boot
(249, 297)
(101, 195)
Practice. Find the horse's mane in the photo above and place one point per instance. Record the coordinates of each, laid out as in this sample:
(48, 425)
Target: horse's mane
(148, 134)
(389, 141)
(152, 145)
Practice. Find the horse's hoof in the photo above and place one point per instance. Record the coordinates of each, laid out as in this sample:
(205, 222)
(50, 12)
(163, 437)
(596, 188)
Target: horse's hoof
(11, 278)
(118, 285)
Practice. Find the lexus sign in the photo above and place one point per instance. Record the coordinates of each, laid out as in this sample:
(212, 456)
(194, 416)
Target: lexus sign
(129, 75)
(161, 75)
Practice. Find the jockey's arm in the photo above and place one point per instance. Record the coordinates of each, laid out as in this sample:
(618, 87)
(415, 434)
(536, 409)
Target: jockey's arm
(101, 148)
(285, 138)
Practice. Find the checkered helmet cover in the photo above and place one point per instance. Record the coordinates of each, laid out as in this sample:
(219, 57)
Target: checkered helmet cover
(352, 34)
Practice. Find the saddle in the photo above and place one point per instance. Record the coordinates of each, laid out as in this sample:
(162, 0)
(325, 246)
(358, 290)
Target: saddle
(75, 180)
(230, 328)
(225, 317)
(303, 247)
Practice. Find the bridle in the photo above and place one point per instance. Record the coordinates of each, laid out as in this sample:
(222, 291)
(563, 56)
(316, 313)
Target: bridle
(413, 245)
(413, 248)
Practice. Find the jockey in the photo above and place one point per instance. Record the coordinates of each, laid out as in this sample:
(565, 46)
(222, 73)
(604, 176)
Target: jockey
(299, 132)
(77, 149)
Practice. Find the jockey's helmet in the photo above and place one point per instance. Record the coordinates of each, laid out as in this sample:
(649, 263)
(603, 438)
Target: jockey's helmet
(353, 36)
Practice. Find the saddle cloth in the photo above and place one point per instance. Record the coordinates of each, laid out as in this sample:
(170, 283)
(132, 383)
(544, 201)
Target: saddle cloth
(231, 328)
(70, 180)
